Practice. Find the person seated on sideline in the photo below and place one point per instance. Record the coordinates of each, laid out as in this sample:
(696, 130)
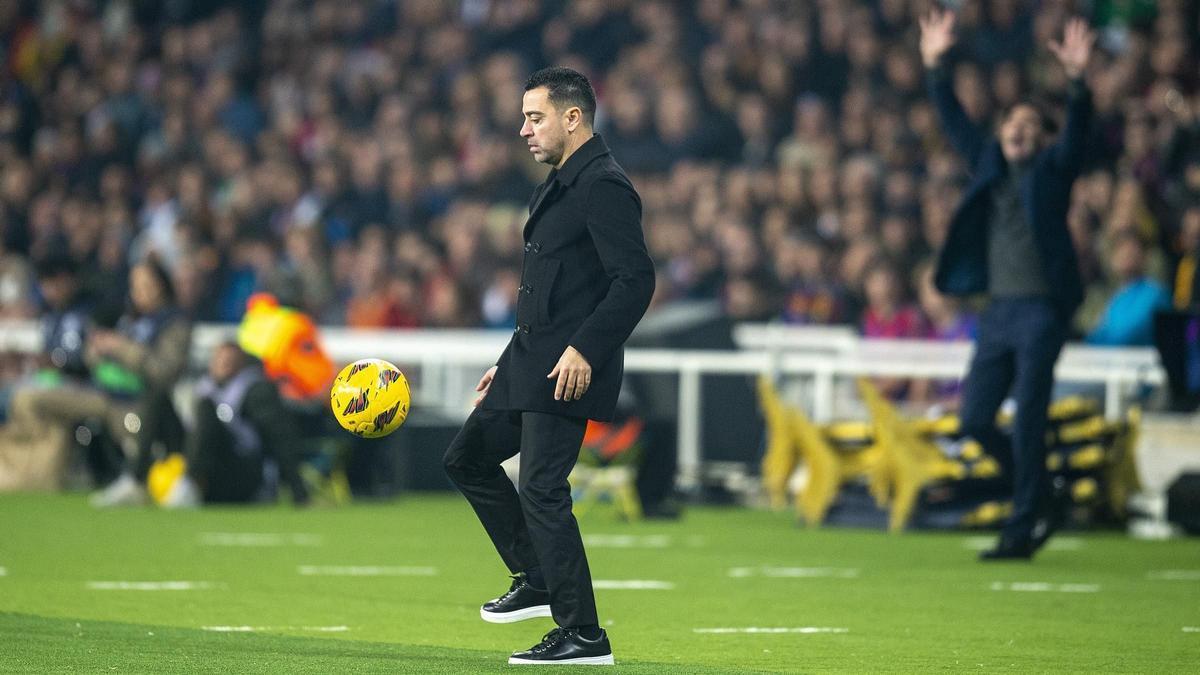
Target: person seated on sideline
(133, 369)
(242, 440)
(33, 455)
(63, 326)
(1128, 319)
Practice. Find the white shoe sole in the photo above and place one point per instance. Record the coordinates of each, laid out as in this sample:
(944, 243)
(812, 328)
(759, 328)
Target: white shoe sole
(606, 660)
(514, 616)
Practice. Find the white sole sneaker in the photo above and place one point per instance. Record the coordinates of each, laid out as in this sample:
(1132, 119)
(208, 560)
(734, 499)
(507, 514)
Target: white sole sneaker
(606, 660)
(516, 615)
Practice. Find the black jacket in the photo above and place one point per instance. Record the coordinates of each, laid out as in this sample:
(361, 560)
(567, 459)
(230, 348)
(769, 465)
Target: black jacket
(586, 280)
(1045, 195)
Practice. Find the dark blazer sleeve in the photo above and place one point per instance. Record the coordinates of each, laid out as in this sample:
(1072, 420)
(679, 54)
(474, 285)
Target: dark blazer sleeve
(964, 135)
(1068, 152)
(614, 222)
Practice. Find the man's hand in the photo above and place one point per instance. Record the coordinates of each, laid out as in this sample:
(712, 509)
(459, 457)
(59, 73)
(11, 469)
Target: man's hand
(937, 36)
(1076, 48)
(574, 375)
(485, 383)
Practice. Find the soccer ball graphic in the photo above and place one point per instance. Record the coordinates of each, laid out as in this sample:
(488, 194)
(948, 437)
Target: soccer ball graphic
(370, 398)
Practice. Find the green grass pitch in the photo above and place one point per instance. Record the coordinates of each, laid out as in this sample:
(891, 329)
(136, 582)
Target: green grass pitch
(1095, 602)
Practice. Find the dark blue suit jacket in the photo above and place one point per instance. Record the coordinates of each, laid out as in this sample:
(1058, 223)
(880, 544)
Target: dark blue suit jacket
(1045, 195)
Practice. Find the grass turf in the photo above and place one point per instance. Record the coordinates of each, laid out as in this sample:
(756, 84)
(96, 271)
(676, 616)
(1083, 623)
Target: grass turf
(911, 603)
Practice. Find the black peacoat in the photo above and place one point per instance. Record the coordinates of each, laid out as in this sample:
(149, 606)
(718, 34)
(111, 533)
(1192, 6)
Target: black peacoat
(586, 281)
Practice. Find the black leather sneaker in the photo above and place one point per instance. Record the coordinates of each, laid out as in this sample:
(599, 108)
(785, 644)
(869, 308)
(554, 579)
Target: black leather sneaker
(521, 602)
(566, 645)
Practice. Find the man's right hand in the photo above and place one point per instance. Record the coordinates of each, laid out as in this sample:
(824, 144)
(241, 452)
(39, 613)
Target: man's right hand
(937, 36)
(485, 383)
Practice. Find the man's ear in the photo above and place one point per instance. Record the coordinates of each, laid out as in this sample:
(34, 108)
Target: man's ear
(574, 117)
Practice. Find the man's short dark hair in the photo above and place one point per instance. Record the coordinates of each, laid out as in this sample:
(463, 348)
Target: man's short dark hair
(567, 88)
(1042, 108)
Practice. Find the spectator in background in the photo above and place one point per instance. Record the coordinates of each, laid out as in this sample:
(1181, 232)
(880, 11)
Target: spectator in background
(1187, 270)
(242, 439)
(887, 315)
(810, 297)
(947, 322)
(1128, 319)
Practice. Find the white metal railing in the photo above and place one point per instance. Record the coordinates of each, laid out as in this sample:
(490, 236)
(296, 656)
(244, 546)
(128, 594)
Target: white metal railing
(450, 361)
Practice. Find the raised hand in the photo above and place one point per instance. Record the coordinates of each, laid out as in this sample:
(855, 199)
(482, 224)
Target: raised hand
(937, 36)
(1076, 48)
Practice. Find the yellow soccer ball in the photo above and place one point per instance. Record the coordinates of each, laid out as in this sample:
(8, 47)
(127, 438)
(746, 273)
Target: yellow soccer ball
(370, 398)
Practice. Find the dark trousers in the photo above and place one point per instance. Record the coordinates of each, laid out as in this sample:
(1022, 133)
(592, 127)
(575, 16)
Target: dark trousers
(1018, 344)
(213, 461)
(532, 525)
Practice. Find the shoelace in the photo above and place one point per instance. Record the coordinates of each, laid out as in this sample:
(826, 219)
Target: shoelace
(550, 639)
(518, 580)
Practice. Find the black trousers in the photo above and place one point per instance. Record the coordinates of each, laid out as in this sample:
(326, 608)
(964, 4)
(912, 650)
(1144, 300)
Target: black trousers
(532, 525)
(223, 474)
(1018, 344)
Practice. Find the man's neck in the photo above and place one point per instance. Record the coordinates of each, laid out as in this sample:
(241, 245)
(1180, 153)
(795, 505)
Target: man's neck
(574, 142)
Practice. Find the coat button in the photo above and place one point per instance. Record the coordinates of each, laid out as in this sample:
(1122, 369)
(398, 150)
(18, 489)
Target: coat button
(537, 247)
(528, 289)
(521, 288)
(525, 328)
(528, 247)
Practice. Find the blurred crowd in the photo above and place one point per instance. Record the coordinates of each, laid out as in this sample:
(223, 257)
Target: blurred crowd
(359, 159)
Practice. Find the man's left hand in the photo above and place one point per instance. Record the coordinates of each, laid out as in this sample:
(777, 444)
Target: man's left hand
(574, 375)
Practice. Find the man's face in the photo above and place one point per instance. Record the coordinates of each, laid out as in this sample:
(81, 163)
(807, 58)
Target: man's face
(545, 128)
(58, 289)
(226, 361)
(1021, 134)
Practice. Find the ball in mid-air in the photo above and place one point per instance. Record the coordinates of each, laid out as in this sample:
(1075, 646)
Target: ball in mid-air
(370, 398)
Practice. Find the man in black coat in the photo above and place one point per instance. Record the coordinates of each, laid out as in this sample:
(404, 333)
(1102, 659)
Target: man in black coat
(585, 283)
(1008, 238)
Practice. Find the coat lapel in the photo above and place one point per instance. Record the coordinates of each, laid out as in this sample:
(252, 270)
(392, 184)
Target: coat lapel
(538, 205)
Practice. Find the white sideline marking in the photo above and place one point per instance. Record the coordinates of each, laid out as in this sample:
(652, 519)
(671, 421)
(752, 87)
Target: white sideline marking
(256, 629)
(806, 630)
(151, 585)
(1044, 587)
(258, 539)
(1174, 575)
(626, 541)
(1055, 544)
(1191, 629)
(365, 571)
(795, 572)
(632, 585)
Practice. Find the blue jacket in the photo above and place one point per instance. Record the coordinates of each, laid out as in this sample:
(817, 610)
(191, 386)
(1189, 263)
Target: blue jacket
(1045, 194)
(1128, 320)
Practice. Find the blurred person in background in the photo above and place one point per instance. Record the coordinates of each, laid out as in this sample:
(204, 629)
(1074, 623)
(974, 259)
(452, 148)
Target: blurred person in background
(243, 440)
(135, 368)
(1187, 271)
(1128, 318)
(889, 316)
(946, 321)
(1009, 238)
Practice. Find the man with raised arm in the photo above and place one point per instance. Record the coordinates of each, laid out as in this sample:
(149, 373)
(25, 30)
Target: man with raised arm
(1008, 238)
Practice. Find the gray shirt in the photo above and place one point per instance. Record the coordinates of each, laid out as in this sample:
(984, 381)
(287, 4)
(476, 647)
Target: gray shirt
(1014, 265)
